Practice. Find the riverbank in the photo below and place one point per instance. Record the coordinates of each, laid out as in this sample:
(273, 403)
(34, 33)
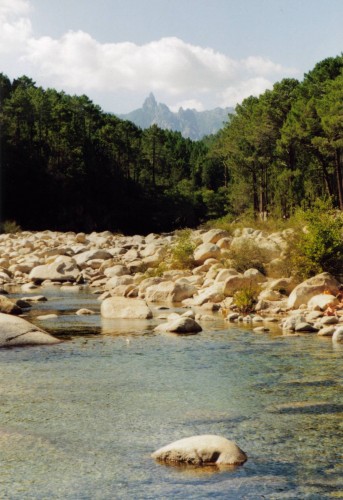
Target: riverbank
(132, 276)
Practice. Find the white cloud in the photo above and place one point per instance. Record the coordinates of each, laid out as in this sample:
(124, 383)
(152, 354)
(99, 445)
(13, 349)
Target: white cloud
(14, 7)
(187, 104)
(15, 27)
(253, 86)
(187, 75)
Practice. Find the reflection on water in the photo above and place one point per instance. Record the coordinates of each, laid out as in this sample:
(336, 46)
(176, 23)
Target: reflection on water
(80, 419)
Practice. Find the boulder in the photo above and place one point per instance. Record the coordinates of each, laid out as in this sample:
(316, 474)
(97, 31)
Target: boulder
(179, 325)
(9, 307)
(201, 450)
(57, 271)
(125, 279)
(234, 283)
(303, 326)
(322, 301)
(214, 235)
(169, 291)
(125, 308)
(213, 293)
(327, 331)
(311, 287)
(223, 274)
(15, 331)
(338, 335)
(255, 276)
(82, 258)
(116, 270)
(206, 251)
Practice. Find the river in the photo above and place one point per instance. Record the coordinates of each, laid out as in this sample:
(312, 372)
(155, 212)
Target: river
(79, 420)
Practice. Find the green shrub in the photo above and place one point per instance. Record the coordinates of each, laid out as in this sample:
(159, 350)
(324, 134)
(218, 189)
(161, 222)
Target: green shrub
(247, 255)
(319, 247)
(246, 299)
(182, 251)
(10, 226)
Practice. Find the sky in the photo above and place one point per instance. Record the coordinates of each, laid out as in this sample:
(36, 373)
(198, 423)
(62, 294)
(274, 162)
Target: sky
(192, 53)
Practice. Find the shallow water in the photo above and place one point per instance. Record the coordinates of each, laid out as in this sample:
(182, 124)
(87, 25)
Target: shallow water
(79, 420)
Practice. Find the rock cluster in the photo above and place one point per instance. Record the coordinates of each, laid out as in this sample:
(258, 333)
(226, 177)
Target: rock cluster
(130, 276)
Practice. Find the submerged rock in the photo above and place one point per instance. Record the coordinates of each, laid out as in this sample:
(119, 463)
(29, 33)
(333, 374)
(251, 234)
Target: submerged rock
(179, 325)
(16, 331)
(201, 450)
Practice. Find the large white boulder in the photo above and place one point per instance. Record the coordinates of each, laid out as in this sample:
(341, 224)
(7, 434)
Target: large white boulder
(214, 235)
(213, 293)
(125, 308)
(169, 291)
(320, 283)
(82, 258)
(57, 271)
(234, 283)
(15, 331)
(322, 301)
(206, 251)
(202, 450)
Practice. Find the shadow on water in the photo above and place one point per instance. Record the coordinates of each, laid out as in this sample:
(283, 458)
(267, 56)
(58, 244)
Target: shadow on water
(308, 408)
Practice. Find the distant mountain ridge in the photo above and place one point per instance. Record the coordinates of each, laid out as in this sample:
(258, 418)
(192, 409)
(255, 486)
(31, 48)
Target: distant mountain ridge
(191, 123)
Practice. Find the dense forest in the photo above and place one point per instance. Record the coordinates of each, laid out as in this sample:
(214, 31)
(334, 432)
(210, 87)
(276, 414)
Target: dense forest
(67, 165)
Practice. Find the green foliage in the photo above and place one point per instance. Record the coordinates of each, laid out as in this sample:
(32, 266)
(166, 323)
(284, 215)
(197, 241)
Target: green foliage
(246, 299)
(182, 251)
(277, 152)
(247, 255)
(10, 226)
(320, 247)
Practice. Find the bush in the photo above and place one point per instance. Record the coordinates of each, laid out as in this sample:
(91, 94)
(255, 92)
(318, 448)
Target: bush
(319, 247)
(248, 255)
(246, 299)
(182, 251)
(10, 226)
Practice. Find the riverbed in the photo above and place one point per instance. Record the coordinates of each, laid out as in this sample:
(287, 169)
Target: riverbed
(80, 419)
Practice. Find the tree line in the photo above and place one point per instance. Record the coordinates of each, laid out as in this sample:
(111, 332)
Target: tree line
(284, 149)
(68, 165)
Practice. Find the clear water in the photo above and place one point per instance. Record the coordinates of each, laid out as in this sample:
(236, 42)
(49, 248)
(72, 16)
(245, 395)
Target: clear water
(79, 420)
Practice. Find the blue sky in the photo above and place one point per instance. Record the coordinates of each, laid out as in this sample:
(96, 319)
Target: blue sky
(190, 53)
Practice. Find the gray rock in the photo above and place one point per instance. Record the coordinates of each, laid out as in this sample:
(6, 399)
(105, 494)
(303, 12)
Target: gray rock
(303, 326)
(180, 325)
(261, 329)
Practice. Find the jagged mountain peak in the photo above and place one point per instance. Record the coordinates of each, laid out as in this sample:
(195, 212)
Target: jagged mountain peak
(150, 102)
(191, 123)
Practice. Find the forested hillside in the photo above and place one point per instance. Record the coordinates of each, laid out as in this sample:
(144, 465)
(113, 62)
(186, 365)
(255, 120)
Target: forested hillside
(65, 164)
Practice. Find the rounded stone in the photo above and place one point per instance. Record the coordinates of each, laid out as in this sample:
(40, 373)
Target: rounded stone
(201, 450)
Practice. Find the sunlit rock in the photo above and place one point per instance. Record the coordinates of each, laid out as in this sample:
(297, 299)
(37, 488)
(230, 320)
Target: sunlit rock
(125, 308)
(201, 450)
(15, 331)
